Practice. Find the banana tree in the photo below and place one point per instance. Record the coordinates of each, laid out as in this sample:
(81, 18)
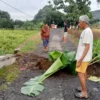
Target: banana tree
(96, 52)
(35, 85)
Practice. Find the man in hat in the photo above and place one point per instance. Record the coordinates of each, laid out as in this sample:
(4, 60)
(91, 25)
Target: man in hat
(84, 54)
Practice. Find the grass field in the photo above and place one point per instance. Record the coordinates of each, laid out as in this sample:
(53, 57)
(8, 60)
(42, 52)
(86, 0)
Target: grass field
(11, 39)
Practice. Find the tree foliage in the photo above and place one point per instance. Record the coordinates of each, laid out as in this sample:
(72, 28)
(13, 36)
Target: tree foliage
(18, 23)
(50, 15)
(41, 15)
(55, 17)
(73, 8)
(5, 20)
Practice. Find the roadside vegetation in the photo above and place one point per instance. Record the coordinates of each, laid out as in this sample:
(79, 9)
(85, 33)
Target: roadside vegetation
(8, 75)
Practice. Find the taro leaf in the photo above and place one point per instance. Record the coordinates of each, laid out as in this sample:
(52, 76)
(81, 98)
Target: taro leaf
(33, 87)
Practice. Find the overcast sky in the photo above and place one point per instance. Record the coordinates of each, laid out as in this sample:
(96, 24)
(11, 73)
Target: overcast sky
(30, 7)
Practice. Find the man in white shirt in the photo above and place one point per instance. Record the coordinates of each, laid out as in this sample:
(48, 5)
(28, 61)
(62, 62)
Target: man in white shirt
(84, 54)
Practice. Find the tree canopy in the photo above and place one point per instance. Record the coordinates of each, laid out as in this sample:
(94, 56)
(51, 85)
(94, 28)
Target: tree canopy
(5, 20)
(73, 8)
(50, 15)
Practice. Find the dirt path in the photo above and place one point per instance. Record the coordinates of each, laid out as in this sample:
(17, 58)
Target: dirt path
(60, 86)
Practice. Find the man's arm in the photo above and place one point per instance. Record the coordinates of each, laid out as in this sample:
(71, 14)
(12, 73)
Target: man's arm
(87, 46)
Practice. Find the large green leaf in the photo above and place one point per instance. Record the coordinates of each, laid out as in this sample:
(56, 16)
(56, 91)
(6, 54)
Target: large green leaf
(70, 56)
(54, 67)
(33, 87)
(54, 55)
(72, 68)
(64, 60)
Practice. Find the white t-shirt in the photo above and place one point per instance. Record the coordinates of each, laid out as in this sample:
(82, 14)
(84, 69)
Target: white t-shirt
(85, 38)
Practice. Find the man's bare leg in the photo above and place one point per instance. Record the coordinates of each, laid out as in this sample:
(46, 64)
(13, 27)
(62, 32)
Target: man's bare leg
(82, 78)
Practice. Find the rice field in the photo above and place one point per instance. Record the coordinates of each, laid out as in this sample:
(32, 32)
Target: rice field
(11, 39)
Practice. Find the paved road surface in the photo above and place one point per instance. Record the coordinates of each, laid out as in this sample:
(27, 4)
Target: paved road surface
(56, 43)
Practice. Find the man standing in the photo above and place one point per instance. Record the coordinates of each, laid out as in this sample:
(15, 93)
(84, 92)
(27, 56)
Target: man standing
(84, 54)
(65, 32)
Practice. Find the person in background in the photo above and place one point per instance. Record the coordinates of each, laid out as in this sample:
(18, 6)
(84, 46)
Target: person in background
(83, 55)
(65, 32)
(45, 34)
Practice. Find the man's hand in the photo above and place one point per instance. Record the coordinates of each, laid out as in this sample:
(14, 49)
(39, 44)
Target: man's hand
(79, 63)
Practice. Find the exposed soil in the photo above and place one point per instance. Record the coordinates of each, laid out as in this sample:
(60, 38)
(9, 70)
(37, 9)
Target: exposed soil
(32, 61)
(94, 69)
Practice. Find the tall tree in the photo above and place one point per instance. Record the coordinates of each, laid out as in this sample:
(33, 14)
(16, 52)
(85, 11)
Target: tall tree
(55, 17)
(73, 8)
(5, 20)
(50, 15)
(18, 23)
(41, 15)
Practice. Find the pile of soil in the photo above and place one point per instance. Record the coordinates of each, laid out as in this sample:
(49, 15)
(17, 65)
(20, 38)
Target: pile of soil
(94, 69)
(32, 61)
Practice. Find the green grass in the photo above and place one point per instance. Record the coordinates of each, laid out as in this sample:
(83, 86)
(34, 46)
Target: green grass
(11, 39)
(3, 87)
(30, 46)
(8, 74)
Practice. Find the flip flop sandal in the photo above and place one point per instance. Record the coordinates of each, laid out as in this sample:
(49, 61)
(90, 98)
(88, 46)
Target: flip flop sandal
(80, 95)
(79, 89)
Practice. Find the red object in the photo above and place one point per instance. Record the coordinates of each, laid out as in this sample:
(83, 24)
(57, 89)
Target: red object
(23, 68)
(45, 31)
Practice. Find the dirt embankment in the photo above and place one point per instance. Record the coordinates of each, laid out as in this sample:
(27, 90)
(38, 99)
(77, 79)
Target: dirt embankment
(32, 61)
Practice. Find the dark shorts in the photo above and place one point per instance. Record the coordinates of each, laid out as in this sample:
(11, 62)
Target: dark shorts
(45, 42)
